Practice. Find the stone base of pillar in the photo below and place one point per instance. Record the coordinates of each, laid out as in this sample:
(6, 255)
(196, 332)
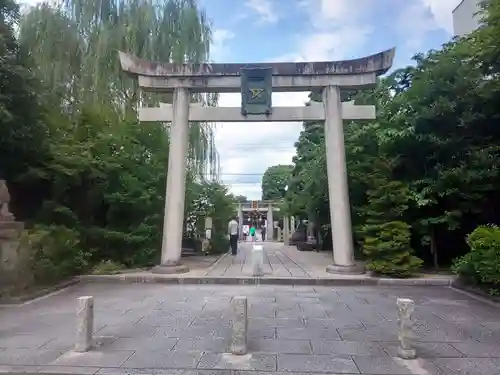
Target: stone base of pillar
(355, 269)
(168, 269)
(406, 353)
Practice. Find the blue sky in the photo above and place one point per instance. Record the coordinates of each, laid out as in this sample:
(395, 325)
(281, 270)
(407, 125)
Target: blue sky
(299, 30)
(306, 30)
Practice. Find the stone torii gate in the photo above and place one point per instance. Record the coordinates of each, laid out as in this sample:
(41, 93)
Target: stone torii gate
(256, 82)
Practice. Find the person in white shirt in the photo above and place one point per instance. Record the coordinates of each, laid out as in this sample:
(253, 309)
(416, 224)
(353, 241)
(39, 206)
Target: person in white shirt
(232, 230)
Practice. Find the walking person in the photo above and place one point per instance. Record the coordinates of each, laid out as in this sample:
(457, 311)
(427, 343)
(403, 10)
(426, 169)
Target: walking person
(252, 232)
(245, 232)
(232, 230)
(263, 233)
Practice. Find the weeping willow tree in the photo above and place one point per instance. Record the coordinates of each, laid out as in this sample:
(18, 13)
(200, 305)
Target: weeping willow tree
(74, 44)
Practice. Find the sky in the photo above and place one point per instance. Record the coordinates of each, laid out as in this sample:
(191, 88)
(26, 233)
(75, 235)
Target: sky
(306, 30)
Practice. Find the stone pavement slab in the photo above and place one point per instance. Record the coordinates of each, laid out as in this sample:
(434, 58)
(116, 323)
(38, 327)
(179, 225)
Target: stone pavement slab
(283, 265)
(179, 329)
(276, 262)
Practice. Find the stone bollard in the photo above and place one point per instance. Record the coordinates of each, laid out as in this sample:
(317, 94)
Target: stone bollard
(257, 260)
(406, 307)
(84, 323)
(240, 326)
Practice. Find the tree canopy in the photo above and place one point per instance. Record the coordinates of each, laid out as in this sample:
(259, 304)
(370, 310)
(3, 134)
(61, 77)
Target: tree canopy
(275, 182)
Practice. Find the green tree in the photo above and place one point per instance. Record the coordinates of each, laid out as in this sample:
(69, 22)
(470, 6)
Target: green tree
(436, 127)
(275, 181)
(74, 46)
(93, 179)
(21, 130)
(241, 198)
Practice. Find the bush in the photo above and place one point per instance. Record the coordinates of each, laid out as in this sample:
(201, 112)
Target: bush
(107, 267)
(482, 264)
(56, 253)
(219, 244)
(387, 249)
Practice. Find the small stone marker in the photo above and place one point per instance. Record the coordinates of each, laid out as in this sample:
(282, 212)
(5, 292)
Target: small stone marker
(240, 326)
(257, 260)
(406, 307)
(84, 323)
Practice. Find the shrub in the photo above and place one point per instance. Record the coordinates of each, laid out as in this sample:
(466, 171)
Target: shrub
(107, 267)
(387, 249)
(219, 244)
(482, 264)
(56, 253)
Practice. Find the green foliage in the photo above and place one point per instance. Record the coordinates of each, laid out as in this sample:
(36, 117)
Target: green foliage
(219, 244)
(82, 171)
(57, 253)
(275, 181)
(211, 200)
(387, 247)
(482, 264)
(437, 133)
(241, 199)
(107, 267)
(385, 237)
(21, 131)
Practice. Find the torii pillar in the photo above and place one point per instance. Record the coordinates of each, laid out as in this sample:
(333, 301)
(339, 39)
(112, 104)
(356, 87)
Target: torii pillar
(240, 221)
(329, 77)
(270, 223)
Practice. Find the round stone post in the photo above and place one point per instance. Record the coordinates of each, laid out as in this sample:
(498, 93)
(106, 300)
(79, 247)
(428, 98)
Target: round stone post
(338, 190)
(405, 307)
(173, 221)
(84, 323)
(240, 326)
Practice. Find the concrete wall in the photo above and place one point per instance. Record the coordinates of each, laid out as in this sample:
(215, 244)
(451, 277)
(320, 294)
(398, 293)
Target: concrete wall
(465, 19)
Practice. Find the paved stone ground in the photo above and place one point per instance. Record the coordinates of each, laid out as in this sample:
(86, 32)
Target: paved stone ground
(149, 328)
(279, 261)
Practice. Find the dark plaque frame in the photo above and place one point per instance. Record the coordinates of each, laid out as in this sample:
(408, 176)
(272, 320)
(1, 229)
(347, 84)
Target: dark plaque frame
(256, 91)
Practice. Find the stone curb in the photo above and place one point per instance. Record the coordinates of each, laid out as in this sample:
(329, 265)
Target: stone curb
(461, 286)
(18, 300)
(245, 280)
(214, 264)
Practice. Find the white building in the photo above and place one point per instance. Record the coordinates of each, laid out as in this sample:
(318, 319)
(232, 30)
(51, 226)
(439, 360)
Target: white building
(465, 17)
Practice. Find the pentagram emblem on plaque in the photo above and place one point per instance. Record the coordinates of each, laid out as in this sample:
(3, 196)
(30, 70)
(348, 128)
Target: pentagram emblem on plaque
(256, 91)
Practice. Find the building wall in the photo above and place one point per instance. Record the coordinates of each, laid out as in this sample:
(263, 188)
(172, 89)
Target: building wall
(464, 18)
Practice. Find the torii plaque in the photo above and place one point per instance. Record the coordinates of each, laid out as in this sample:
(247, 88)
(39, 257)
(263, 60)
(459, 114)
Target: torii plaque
(256, 91)
(328, 76)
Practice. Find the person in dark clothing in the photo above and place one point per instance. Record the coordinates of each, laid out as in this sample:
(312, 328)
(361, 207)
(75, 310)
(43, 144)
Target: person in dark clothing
(232, 230)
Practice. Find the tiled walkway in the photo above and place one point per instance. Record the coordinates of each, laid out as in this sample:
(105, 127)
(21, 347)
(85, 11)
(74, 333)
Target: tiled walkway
(279, 261)
(153, 329)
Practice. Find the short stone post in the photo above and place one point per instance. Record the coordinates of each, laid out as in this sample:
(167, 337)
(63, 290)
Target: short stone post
(406, 307)
(240, 326)
(84, 323)
(257, 260)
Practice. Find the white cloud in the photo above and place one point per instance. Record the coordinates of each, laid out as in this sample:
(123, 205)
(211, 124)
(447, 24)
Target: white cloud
(265, 9)
(414, 22)
(419, 17)
(442, 12)
(218, 49)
